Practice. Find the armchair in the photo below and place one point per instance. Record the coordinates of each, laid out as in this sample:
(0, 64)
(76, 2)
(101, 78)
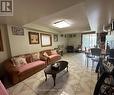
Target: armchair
(49, 56)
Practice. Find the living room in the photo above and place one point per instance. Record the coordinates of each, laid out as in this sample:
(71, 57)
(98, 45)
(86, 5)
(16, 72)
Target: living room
(32, 28)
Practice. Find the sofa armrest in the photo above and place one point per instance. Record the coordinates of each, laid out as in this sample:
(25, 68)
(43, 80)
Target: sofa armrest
(12, 71)
(44, 58)
(9, 67)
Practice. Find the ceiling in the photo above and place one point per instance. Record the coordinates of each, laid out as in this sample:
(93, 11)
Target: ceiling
(26, 11)
(84, 15)
(75, 15)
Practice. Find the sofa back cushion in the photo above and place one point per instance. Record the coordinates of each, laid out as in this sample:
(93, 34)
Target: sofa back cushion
(53, 52)
(47, 51)
(28, 57)
(19, 61)
(45, 54)
(35, 56)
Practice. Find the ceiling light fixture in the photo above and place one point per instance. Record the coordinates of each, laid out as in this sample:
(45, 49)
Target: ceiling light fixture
(61, 24)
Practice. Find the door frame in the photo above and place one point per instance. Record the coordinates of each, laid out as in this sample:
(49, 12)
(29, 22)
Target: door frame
(85, 34)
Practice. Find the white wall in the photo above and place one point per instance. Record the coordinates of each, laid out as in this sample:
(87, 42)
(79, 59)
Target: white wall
(6, 53)
(75, 41)
(20, 44)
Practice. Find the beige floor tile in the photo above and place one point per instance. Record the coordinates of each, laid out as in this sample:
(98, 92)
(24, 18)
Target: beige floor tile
(40, 74)
(82, 93)
(21, 89)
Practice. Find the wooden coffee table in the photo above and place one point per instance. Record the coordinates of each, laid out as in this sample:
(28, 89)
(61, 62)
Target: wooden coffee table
(50, 71)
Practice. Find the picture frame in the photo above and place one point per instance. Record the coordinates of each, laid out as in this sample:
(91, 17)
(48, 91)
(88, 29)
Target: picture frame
(65, 35)
(74, 35)
(70, 35)
(46, 40)
(33, 37)
(61, 35)
(17, 30)
(1, 42)
(55, 37)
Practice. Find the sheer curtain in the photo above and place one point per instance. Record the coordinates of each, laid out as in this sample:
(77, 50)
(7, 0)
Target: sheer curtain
(88, 41)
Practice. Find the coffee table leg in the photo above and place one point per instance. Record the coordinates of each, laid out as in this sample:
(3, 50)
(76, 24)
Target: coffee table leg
(67, 68)
(54, 77)
(45, 76)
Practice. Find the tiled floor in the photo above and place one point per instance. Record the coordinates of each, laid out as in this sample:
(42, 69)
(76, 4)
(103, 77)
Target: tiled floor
(80, 80)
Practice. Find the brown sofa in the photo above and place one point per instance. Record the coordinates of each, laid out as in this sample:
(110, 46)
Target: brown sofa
(51, 58)
(20, 73)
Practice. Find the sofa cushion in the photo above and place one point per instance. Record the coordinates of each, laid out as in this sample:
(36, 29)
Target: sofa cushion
(28, 57)
(30, 65)
(35, 56)
(53, 52)
(18, 61)
(54, 56)
(45, 54)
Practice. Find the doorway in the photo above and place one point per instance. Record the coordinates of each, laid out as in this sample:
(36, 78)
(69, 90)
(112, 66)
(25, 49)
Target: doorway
(88, 40)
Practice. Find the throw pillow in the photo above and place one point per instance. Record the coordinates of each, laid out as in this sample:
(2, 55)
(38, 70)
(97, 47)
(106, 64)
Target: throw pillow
(19, 61)
(53, 52)
(45, 54)
(35, 56)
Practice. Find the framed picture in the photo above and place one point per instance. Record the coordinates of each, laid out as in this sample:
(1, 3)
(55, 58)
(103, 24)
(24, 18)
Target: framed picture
(61, 35)
(74, 35)
(65, 36)
(55, 37)
(46, 40)
(33, 37)
(1, 43)
(17, 30)
(70, 35)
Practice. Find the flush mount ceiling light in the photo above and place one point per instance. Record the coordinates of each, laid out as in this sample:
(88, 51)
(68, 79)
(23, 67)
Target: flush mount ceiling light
(61, 24)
